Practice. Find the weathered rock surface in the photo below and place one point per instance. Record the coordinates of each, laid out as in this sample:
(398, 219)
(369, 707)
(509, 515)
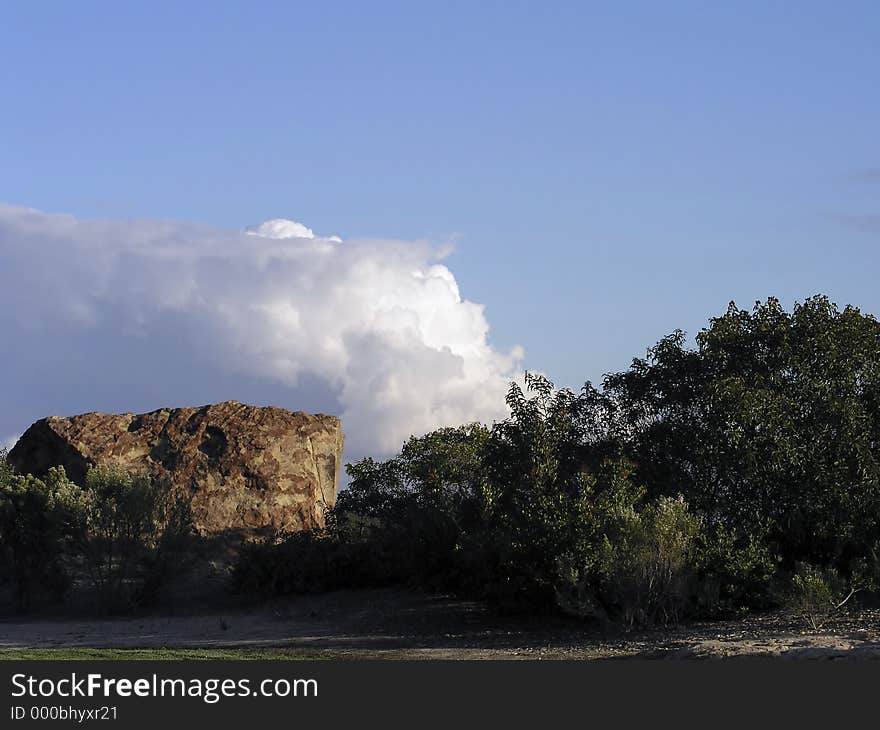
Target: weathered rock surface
(245, 468)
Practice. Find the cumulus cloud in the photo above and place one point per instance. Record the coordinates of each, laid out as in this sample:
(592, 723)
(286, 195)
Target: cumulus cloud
(280, 228)
(376, 329)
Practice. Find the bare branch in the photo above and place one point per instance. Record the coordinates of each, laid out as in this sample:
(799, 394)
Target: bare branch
(852, 592)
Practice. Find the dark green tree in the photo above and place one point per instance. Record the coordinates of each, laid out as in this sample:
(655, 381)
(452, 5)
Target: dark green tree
(131, 532)
(770, 425)
(35, 516)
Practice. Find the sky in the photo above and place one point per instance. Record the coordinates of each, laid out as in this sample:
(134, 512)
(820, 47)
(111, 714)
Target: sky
(464, 190)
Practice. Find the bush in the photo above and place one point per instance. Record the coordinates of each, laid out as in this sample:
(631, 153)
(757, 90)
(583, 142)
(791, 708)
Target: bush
(737, 571)
(642, 569)
(315, 561)
(126, 534)
(131, 533)
(650, 570)
(34, 520)
(818, 593)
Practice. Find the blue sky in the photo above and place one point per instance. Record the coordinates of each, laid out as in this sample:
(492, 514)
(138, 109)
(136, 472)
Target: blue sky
(607, 171)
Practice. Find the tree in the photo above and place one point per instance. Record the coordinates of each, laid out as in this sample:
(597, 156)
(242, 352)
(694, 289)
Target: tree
(772, 423)
(693, 481)
(419, 509)
(34, 519)
(130, 531)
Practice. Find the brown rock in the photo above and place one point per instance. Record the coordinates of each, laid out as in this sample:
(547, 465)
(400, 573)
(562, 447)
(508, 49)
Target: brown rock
(245, 468)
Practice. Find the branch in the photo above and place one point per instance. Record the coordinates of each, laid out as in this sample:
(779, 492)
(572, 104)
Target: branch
(852, 592)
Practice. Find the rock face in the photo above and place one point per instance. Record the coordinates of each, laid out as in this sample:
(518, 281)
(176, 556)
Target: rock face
(245, 468)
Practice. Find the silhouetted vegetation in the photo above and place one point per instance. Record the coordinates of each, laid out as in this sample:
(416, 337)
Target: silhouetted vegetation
(740, 473)
(120, 533)
(727, 476)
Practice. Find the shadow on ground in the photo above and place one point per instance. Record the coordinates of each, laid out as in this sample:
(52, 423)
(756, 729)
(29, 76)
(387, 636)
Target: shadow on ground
(395, 623)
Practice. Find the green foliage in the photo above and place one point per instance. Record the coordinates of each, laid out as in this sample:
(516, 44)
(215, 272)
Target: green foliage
(770, 426)
(34, 515)
(537, 494)
(736, 571)
(690, 483)
(6, 470)
(404, 520)
(130, 532)
(511, 515)
(126, 533)
(348, 556)
(649, 567)
(817, 593)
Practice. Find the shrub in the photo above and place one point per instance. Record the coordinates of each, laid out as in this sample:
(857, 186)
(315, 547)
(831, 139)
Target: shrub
(818, 593)
(34, 517)
(649, 572)
(6, 470)
(315, 561)
(736, 570)
(642, 569)
(130, 532)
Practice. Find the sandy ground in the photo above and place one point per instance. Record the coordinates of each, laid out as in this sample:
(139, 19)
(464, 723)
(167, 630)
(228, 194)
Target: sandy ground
(397, 624)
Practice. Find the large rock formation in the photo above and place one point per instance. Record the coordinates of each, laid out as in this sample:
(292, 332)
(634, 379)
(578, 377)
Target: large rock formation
(245, 468)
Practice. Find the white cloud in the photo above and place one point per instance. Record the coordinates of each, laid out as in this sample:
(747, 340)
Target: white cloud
(280, 228)
(381, 323)
(8, 443)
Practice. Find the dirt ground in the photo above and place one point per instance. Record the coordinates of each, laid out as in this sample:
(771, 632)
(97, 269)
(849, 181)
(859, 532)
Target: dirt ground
(396, 624)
